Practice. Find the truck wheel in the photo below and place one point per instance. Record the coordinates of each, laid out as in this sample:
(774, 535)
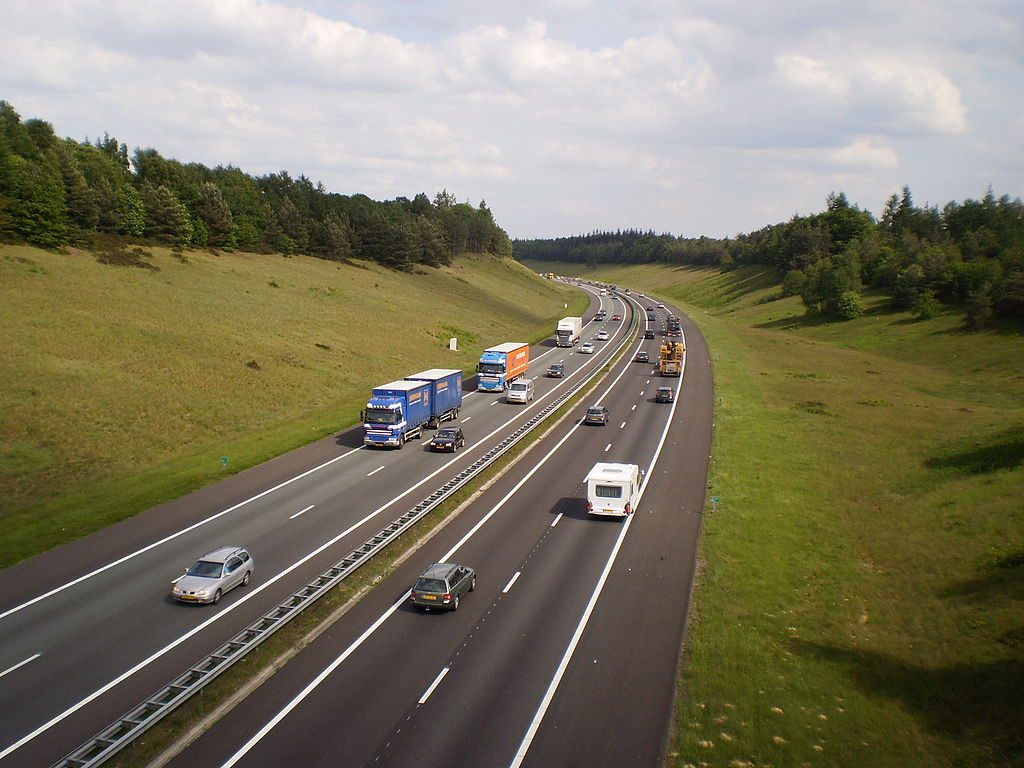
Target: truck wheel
(401, 442)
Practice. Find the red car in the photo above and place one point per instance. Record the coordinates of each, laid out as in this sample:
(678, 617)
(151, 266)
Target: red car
(616, 317)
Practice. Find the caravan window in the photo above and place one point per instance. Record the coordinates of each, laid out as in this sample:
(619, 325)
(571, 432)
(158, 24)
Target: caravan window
(608, 491)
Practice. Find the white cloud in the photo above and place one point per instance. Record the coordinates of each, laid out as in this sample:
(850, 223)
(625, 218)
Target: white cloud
(565, 116)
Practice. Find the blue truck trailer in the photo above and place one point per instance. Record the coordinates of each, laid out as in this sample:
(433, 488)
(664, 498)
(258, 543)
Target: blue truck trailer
(445, 391)
(501, 365)
(396, 412)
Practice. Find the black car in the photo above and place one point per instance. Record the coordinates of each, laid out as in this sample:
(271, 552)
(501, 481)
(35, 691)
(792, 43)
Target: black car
(649, 333)
(556, 371)
(597, 414)
(441, 586)
(664, 395)
(447, 439)
(642, 357)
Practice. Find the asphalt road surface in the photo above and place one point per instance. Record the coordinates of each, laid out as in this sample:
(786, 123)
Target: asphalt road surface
(565, 654)
(88, 630)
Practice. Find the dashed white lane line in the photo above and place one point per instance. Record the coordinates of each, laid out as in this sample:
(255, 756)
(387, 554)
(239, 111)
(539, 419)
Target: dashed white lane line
(466, 419)
(494, 403)
(557, 518)
(633, 408)
(642, 392)
(622, 425)
(20, 664)
(433, 685)
(607, 447)
(511, 581)
(378, 469)
(648, 381)
(301, 512)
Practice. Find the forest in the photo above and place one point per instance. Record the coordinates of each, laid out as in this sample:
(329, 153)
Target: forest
(56, 192)
(968, 255)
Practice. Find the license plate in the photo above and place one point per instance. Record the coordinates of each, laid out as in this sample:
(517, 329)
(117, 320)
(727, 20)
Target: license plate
(429, 597)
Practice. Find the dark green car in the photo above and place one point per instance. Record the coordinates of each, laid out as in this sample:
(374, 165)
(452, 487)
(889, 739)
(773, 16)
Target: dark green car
(442, 585)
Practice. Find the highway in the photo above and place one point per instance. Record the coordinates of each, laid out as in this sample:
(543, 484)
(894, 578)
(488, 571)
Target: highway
(566, 653)
(88, 630)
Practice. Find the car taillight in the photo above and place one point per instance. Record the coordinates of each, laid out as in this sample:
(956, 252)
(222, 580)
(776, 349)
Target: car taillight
(628, 509)
(447, 597)
(590, 507)
(412, 594)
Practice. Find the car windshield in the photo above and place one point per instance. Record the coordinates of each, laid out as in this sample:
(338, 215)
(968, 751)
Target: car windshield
(595, 412)
(556, 367)
(429, 585)
(445, 434)
(492, 368)
(206, 569)
(665, 391)
(518, 387)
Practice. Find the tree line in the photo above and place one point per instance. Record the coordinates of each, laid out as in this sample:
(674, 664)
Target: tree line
(968, 254)
(55, 192)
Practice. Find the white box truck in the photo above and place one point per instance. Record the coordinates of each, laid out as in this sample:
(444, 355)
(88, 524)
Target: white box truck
(568, 332)
(613, 489)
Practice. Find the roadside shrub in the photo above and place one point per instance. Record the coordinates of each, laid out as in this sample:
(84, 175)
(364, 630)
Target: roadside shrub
(848, 306)
(794, 282)
(926, 306)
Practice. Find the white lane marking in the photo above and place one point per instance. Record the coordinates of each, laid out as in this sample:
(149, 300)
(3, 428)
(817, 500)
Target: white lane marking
(171, 537)
(648, 381)
(433, 685)
(466, 419)
(315, 683)
(515, 577)
(20, 664)
(494, 403)
(301, 512)
(175, 581)
(607, 447)
(642, 393)
(374, 472)
(622, 425)
(633, 408)
(557, 518)
(538, 718)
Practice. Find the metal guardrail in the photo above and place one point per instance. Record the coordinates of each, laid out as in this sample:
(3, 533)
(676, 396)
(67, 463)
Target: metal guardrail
(133, 724)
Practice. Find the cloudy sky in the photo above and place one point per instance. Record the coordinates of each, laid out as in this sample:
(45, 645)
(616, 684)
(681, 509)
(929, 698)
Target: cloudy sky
(703, 117)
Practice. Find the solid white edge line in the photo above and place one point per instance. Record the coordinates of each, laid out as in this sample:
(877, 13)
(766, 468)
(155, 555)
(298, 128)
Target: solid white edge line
(301, 512)
(515, 577)
(433, 685)
(375, 471)
(171, 537)
(257, 737)
(557, 518)
(538, 717)
(20, 664)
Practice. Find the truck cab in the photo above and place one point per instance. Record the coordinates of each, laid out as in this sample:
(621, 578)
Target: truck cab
(499, 366)
(395, 413)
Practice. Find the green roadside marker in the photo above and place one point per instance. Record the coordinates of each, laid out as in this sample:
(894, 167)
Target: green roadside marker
(716, 499)
(224, 461)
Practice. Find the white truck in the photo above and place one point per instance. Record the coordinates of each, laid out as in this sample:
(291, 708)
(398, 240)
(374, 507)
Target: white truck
(613, 490)
(569, 331)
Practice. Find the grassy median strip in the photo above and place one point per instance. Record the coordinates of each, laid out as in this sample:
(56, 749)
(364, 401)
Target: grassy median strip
(860, 598)
(176, 731)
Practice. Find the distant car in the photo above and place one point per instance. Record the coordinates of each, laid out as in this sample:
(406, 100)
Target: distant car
(602, 336)
(586, 348)
(616, 317)
(441, 586)
(649, 333)
(597, 414)
(661, 306)
(600, 316)
(213, 575)
(555, 371)
(642, 357)
(447, 439)
(650, 309)
(664, 395)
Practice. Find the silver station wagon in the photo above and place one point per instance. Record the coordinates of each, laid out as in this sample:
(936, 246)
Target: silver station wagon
(213, 575)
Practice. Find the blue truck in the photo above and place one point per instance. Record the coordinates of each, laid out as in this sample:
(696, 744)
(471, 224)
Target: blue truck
(445, 391)
(501, 365)
(396, 412)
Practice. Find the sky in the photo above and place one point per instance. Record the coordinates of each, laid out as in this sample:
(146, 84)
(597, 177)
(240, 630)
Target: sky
(708, 117)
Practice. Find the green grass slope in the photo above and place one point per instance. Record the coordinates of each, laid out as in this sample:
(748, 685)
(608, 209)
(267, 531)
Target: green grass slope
(123, 385)
(860, 599)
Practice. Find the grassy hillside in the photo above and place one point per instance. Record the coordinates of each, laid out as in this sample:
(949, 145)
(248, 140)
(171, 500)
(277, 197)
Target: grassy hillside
(122, 385)
(860, 599)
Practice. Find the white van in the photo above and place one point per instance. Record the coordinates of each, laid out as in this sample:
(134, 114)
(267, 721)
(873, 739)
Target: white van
(613, 489)
(520, 391)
